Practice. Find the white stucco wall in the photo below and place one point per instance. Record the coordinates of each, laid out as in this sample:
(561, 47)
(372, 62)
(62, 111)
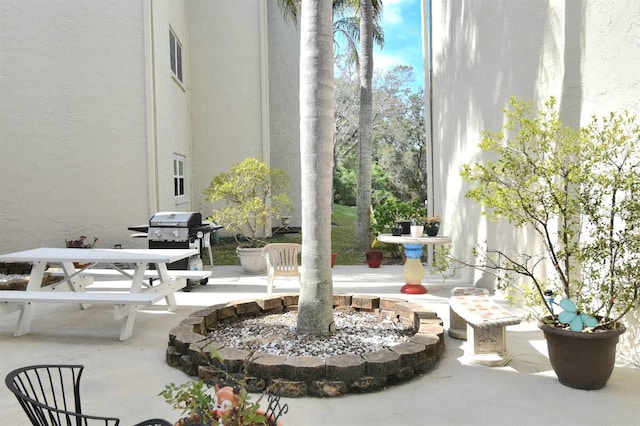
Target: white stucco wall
(585, 53)
(171, 104)
(284, 103)
(225, 87)
(72, 119)
(91, 116)
(234, 113)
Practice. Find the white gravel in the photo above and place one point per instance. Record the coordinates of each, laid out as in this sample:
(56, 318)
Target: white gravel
(357, 333)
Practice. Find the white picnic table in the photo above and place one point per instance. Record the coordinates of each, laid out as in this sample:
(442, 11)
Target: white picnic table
(72, 288)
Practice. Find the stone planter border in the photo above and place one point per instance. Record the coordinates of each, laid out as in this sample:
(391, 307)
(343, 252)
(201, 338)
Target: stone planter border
(297, 376)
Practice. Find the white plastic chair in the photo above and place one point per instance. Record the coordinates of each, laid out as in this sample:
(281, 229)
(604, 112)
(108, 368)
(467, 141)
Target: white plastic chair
(206, 243)
(282, 260)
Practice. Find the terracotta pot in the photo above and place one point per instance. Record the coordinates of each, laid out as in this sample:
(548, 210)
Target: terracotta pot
(374, 258)
(582, 360)
(334, 257)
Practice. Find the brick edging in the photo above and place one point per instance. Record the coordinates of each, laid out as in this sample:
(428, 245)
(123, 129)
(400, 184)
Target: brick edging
(297, 376)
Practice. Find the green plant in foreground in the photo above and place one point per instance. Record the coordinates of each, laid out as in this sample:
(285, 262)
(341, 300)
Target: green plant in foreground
(224, 401)
(578, 191)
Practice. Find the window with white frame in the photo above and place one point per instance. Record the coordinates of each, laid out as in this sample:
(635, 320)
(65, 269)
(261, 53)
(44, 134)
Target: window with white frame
(176, 55)
(178, 176)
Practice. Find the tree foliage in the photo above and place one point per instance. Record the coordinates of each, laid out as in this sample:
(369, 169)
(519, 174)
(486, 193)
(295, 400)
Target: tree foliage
(254, 193)
(578, 190)
(399, 153)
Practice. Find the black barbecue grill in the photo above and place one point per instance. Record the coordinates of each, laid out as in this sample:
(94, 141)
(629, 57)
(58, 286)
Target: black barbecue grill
(178, 230)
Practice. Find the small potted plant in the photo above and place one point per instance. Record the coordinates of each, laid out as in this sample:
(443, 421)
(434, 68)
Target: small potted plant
(431, 225)
(223, 400)
(80, 243)
(577, 191)
(254, 193)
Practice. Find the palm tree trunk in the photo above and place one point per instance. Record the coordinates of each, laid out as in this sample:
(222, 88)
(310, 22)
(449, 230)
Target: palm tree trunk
(315, 306)
(363, 200)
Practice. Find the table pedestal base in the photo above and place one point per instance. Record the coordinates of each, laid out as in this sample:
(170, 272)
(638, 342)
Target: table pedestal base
(413, 270)
(413, 289)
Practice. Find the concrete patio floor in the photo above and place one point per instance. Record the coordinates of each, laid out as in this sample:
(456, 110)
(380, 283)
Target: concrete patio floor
(123, 379)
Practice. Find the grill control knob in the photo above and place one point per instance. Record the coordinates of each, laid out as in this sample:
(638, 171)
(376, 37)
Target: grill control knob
(157, 233)
(175, 234)
(199, 234)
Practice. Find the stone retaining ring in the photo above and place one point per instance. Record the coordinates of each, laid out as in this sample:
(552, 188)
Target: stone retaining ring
(297, 376)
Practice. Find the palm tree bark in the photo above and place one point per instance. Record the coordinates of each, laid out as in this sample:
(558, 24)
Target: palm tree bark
(315, 305)
(363, 200)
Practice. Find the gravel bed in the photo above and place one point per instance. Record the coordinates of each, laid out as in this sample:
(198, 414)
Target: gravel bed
(4, 278)
(357, 333)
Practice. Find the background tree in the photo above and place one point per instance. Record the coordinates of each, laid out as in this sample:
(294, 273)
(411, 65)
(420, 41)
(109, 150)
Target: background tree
(315, 305)
(399, 154)
(365, 128)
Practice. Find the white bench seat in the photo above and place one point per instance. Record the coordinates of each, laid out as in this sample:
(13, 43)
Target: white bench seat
(96, 298)
(149, 273)
(486, 322)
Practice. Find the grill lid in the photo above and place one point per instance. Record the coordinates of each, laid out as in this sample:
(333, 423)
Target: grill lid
(176, 219)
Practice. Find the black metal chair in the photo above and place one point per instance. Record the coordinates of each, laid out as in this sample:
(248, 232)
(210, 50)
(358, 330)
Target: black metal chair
(50, 395)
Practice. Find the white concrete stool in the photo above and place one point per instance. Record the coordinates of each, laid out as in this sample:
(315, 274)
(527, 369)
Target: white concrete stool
(485, 324)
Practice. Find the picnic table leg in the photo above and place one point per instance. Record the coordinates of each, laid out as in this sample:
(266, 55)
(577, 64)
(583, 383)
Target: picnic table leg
(75, 281)
(23, 325)
(163, 274)
(130, 317)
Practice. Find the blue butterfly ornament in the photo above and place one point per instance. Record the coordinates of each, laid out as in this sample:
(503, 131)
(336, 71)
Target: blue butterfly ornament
(570, 316)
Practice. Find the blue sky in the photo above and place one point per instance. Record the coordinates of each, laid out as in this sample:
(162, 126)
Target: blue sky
(401, 22)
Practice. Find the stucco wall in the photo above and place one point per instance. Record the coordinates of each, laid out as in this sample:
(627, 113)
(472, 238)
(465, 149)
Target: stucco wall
(235, 115)
(585, 53)
(171, 104)
(486, 51)
(72, 119)
(225, 87)
(284, 103)
(91, 115)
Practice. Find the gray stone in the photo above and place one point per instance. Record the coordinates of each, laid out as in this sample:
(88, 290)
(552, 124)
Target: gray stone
(304, 368)
(328, 388)
(345, 367)
(382, 363)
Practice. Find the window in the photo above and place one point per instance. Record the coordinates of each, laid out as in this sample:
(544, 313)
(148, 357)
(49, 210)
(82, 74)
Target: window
(178, 176)
(176, 55)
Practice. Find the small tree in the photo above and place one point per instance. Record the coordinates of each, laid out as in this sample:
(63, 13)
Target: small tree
(578, 190)
(254, 193)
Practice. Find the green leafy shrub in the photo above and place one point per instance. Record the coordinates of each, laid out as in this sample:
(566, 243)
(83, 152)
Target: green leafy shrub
(254, 193)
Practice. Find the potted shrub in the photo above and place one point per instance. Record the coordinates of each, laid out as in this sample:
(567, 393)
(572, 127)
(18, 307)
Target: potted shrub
(430, 224)
(223, 400)
(395, 214)
(254, 194)
(578, 192)
(80, 243)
